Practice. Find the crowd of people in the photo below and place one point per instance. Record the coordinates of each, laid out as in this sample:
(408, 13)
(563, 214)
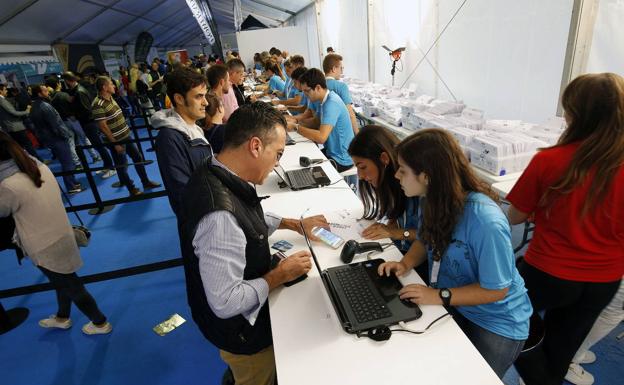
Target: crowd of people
(216, 140)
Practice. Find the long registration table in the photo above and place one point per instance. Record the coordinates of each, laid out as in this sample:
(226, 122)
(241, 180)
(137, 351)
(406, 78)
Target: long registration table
(310, 346)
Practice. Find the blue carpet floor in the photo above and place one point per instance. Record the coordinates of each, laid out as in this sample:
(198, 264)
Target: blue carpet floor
(131, 235)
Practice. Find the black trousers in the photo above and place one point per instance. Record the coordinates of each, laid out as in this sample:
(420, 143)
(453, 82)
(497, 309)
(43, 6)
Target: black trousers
(570, 309)
(121, 162)
(69, 288)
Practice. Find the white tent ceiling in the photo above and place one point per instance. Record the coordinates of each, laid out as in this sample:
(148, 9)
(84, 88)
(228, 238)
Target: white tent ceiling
(117, 22)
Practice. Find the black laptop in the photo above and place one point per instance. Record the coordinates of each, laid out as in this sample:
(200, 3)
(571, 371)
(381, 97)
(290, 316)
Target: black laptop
(304, 178)
(362, 298)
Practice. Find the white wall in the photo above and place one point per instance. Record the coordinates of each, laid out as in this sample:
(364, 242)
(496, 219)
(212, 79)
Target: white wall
(292, 39)
(343, 26)
(307, 20)
(503, 56)
(607, 47)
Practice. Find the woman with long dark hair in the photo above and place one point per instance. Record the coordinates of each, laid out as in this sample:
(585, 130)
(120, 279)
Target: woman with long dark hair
(467, 239)
(575, 191)
(29, 192)
(374, 155)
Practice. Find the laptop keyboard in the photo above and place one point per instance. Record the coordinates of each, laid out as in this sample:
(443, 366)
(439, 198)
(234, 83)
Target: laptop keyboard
(301, 178)
(364, 303)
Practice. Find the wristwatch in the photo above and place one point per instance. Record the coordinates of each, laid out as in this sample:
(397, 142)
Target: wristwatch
(445, 295)
(406, 234)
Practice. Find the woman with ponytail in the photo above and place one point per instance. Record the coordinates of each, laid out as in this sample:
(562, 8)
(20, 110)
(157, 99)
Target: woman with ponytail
(29, 192)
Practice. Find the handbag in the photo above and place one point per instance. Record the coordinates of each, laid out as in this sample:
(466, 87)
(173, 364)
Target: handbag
(81, 232)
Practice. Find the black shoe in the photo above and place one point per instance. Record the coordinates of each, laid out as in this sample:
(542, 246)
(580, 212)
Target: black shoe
(78, 188)
(150, 185)
(134, 191)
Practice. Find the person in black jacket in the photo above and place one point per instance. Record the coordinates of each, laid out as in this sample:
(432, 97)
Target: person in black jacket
(225, 248)
(81, 106)
(54, 134)
(181, 145)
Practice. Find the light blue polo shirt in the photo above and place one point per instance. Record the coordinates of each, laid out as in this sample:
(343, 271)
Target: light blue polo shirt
(339, 88)
(334, 113)
(481, 252)
(283, 69)
(409, 220)
(276, 83)
(314, 106)
(292, 91)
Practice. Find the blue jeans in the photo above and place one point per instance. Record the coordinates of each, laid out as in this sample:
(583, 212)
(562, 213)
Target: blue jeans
(498, 351)
(80, 138)
(60, 149)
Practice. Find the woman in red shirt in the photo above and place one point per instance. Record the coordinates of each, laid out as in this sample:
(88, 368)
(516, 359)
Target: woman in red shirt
(575, 190)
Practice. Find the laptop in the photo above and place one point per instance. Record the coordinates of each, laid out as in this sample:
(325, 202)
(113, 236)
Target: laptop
(362, 298)
(305, 178)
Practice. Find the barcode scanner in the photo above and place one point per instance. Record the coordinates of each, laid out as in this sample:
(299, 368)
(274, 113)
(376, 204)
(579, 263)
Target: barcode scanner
(352, 247)
(304, 161)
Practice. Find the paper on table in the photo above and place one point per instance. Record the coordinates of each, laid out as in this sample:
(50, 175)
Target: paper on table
(346, 225)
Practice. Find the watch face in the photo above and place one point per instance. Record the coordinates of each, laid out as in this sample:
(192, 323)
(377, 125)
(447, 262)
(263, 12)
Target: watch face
(406, 234)
(445, 293)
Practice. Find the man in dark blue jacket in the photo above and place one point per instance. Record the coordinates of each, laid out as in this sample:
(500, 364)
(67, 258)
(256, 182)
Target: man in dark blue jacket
(53, 133)
(181, 145)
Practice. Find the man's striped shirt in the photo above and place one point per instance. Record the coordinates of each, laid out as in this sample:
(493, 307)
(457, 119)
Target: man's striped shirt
(108, 110)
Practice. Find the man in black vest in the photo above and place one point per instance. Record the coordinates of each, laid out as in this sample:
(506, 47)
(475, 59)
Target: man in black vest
(225, 248)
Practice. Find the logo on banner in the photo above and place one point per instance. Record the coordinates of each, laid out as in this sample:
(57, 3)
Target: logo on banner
(202, 15)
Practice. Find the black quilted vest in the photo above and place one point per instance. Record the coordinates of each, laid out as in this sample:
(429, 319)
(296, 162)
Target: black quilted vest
(212, 188)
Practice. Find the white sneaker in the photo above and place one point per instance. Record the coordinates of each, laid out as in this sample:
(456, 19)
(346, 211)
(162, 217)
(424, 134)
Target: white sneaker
(578, 376)
(53, 322)
(588, 358)
(90, 328)
(108, 174)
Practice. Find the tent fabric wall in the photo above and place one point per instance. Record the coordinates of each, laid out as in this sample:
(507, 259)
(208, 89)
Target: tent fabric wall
(291, 39)
(344, 27)
(503, 56)
(307, 20)
(607, 47)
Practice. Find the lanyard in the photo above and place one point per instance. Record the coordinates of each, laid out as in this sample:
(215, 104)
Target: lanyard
(435, 270)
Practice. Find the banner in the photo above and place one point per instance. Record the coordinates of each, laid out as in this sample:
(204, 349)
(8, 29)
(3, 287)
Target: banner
(201, 12)
(84, 58)
(142, 46)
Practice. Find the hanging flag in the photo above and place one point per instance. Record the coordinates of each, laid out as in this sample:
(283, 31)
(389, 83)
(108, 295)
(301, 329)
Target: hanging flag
(201, 12)
(238, 15)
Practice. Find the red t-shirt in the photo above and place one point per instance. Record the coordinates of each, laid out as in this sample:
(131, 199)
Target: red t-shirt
(564, 245)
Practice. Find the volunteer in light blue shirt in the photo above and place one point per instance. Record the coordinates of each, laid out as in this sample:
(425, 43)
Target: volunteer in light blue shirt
(467, 241)
(335, 131)
(275, 82)
(333, 68)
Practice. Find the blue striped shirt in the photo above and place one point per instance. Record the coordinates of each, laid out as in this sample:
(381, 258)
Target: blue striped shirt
(219, 243)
